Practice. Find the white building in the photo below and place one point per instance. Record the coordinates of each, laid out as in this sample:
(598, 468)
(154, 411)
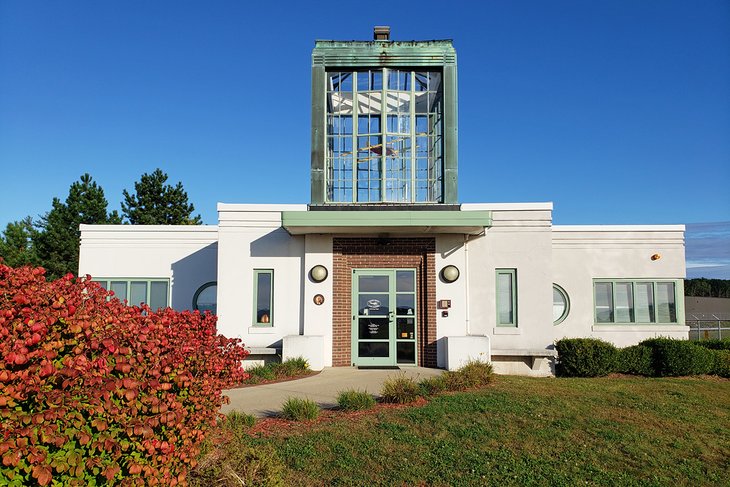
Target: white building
(384, 267)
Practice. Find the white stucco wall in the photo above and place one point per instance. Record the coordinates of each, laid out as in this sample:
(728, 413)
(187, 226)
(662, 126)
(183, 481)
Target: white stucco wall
(450, 250)
(317, 320)
(519, 238)
(185, 254)
(584, 253)
(251, 237)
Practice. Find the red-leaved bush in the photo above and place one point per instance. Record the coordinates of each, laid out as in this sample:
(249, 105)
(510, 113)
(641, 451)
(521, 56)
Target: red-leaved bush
(94, 392)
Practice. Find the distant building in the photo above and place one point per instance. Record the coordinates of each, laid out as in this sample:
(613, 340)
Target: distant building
(384, 267)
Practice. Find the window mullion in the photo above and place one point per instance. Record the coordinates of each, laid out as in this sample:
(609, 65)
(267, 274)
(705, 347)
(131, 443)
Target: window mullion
(383, 132)
(354, 135)
(514, 297)
(328, 189)
(613, 302)
(412, 122)
(632, 303)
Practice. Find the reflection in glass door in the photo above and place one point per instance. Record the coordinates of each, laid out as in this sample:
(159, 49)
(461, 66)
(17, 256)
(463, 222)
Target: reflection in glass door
(384, 317)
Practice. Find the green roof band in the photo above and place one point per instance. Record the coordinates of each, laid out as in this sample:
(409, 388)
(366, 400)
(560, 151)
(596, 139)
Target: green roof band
(383, 53)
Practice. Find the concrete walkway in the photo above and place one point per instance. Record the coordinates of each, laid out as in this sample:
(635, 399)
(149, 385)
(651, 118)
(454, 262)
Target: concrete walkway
(266, 400)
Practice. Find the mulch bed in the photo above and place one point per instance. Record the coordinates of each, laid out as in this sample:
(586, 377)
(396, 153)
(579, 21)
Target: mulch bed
(274, 381)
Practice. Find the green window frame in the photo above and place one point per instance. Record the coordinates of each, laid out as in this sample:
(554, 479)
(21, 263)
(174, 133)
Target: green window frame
(564, 300)
(199, 304)
(263, 297)
(154, 292)
(637, 301)
(506, 297)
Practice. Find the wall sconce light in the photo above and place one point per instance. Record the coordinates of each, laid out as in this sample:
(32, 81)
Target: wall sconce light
(656, 257)
(450, 273)
(318, 273)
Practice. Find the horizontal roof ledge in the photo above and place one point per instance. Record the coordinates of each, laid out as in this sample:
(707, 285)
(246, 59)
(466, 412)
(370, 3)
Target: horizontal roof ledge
(537, 206)
(432, 222)
(618, 228)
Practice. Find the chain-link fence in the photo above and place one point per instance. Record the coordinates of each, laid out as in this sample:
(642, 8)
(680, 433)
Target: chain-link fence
(705, 326)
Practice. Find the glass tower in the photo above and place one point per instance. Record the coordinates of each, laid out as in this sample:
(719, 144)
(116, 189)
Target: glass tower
(383, 123)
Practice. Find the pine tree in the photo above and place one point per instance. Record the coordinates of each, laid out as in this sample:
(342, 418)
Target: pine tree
(157, 203)
(57, 243)
(16, 244)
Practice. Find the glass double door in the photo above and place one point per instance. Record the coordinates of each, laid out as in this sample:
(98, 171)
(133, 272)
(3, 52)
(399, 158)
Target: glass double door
(384, 317)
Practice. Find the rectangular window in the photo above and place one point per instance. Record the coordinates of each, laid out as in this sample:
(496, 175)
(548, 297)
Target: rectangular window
(158, 294)
(666, 303)
(119, 288)
(644, 299)
(154, 292)
(634, 301)
(604, 302)
(263, 292)
(138, 292)
(506, 297)
(624, 302)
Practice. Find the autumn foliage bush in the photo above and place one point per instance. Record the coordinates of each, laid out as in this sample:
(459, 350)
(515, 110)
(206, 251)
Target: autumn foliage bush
(95, 392)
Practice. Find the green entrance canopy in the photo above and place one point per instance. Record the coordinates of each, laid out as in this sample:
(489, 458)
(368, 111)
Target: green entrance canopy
(344, 221)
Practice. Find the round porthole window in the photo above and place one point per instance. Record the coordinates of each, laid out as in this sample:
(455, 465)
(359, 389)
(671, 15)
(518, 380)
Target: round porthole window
(206, 298)
(561, 304)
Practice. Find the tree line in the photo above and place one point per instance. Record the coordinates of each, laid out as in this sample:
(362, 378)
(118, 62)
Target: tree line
(52, 240)
(713, 288)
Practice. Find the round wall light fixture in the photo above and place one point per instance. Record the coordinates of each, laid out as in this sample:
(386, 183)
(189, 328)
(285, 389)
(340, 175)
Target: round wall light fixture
(318, 273)
(656, 257)
(450, 273)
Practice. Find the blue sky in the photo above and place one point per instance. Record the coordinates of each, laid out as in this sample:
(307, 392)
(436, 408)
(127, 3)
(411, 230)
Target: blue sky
(617, 111)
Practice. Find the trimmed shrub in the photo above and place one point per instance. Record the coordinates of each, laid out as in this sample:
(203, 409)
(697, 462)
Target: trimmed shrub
(352, 400)
(399, 389)
(635, 360)
(473, 374)
(93, 391)
(585, 357)
(714, 344)
(679, 357)
(297, 409)
(721, 363)
(430, 386)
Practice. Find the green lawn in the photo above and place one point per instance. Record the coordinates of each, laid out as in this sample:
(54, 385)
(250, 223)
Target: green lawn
(526, 431)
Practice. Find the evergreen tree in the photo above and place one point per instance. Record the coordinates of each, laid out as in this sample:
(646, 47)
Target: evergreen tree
(157, 203)
(57, 244)
(702, 287)
(16, 244)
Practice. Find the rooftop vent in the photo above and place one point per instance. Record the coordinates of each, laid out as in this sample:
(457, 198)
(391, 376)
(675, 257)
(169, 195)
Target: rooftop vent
(381, 33)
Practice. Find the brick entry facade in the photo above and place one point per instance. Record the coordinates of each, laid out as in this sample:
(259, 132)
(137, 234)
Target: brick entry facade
(384, 253)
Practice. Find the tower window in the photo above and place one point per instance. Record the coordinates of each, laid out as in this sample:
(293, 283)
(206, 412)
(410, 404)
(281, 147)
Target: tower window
(384, 136)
